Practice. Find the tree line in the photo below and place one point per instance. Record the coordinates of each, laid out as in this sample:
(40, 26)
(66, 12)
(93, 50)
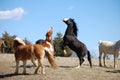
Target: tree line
(8, 40)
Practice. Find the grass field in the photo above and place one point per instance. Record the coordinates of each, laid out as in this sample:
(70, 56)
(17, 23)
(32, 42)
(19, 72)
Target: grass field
(65, 71)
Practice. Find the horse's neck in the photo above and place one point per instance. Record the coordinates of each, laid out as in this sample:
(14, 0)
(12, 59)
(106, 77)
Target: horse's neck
(51, 42)
(69, 30)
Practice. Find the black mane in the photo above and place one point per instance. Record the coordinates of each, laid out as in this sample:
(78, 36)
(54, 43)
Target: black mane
(75, 29)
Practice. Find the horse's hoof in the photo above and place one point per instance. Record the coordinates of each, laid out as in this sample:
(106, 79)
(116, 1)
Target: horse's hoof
(100, 66)
(43, 73)
(35, 72)
(105, 66)
(77, 67)
(24, 73)
(16, 73)
(90, 66)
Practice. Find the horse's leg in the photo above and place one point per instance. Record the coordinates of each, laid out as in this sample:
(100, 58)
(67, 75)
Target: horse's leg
(115, 59)
(33, 61)
(100, 54)
(104, 60)
(37, 67)
(24, 67)
(17, 66)
(81, 60)
(63, 47)
(40, 63)
(2, 49)
(42, 66)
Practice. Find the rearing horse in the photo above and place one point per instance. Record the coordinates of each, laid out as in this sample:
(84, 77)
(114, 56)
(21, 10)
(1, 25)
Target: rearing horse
(70, 40)
(48, 40)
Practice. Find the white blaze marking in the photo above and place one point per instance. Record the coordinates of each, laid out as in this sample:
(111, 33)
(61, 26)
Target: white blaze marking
(65, 19)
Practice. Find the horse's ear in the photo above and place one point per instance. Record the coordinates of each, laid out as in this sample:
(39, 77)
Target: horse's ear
(71, 19)
(51, 29)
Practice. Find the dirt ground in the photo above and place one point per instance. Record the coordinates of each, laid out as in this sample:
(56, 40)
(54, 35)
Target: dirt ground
(65, 71)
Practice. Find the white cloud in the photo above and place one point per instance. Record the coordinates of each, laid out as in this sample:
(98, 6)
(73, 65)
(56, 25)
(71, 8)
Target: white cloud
(16, 13)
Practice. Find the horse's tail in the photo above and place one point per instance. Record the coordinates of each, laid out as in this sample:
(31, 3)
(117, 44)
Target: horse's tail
(89, 58)
(51, 59)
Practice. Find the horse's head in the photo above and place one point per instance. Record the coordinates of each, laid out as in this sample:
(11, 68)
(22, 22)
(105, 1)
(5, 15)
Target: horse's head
(49, 34)
(68, 21)
(71, 25)
(117, 43)
(18, 42)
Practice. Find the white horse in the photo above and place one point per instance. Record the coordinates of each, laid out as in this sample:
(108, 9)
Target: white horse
(108, 47)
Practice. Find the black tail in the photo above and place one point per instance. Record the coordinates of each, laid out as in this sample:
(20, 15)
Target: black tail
(89, 58)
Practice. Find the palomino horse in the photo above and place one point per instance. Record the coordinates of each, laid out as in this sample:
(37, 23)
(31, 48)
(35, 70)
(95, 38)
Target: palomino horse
(2, 46)
(108, 47)
(70, 40)
(32, 60)
(26, 52)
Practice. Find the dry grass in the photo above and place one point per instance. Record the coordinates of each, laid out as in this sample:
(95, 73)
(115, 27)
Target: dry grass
(65, 71)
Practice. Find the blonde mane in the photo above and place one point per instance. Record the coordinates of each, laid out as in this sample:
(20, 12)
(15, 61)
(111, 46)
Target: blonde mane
(20, 41)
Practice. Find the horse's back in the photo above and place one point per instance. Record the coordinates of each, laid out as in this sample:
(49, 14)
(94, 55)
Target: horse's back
(38, 49)
(106, 47)
(105, 43)
(29, 51)
(40, 41)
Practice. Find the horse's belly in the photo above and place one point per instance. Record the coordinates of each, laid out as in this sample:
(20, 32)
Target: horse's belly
(24, 56)
(108, 51)
(80, 50)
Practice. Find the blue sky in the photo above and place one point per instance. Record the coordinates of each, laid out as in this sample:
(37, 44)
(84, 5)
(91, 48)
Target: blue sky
(96, 19)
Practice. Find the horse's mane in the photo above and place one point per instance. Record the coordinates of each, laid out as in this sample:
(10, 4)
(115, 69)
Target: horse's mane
(19, 41)
(75, 29)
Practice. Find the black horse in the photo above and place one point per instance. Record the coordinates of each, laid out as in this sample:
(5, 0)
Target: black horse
(70, 40)
(40, 41)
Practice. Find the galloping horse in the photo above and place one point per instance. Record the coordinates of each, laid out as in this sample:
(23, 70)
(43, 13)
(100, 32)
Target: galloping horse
(108, 47)
(2, 46)
(25, 52)
(70, 40)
